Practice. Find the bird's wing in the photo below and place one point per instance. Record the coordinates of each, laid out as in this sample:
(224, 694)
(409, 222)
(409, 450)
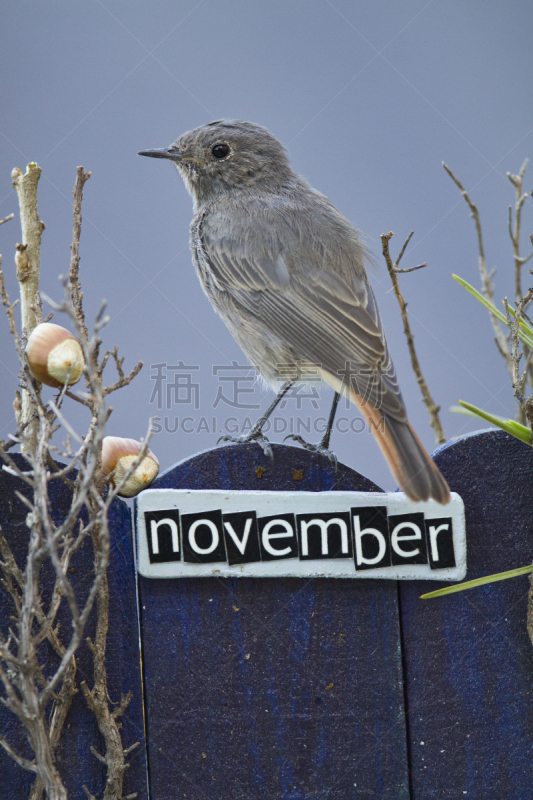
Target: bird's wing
(268, 269)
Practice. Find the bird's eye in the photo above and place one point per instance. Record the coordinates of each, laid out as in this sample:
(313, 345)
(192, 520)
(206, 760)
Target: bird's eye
(220, 150)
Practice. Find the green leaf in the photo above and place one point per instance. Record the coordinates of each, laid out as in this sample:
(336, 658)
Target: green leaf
(525, 333)
(460, 587)
(508, 425)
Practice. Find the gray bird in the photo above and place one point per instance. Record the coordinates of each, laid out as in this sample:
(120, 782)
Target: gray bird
(285, 271)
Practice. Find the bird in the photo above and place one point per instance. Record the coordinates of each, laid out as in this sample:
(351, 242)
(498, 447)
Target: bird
(286, 272)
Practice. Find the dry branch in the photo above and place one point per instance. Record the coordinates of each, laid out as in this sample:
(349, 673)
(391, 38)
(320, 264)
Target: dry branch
(27, 259)
(433, 410)
(519, 378)
(509, 345)
(41, 702)
(487, 288)
(30, 249)
(502, 338)
(73, 276)
(514, 230)
(525, 403)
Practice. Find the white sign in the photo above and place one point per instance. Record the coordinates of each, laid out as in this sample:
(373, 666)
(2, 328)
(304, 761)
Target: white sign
(194, 533)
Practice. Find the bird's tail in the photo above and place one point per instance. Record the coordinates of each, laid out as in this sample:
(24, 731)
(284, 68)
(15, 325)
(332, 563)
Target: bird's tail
(416, 473)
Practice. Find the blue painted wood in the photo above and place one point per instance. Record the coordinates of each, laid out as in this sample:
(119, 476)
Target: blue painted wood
(260, 688)
(76, 763)
(469, 677)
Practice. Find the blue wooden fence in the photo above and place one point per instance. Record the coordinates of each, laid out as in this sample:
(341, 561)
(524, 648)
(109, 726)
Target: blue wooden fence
(468, 660)
(281, 688)
(317, 688)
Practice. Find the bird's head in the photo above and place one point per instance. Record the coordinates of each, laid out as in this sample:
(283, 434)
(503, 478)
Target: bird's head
(226, 156)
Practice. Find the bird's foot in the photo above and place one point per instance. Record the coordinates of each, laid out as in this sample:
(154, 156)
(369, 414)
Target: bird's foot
(321, 448)
(255, 435)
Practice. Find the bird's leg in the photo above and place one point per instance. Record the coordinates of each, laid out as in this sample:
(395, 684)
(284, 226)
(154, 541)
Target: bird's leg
(323, 445)
(256, 434)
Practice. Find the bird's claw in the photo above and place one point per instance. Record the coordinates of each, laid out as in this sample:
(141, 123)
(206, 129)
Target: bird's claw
(253, 436)
(315, 448)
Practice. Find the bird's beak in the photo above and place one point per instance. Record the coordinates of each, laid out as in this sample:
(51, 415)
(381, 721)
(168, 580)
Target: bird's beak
(164, 152)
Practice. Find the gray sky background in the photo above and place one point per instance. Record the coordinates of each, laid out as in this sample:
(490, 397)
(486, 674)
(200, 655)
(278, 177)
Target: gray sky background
(369, 97)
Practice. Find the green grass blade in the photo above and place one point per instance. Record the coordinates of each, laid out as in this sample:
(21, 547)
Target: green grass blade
(460, 587)
(461, 410)
(483, 300)
(525, 333)
(508, 425)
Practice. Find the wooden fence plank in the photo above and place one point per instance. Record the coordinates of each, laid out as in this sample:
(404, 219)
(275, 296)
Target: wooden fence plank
(469, 674)
(272, 688)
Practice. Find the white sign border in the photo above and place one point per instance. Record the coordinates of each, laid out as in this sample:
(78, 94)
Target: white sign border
(269, 503)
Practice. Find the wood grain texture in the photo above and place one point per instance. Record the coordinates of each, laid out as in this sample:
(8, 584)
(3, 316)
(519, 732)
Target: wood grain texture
(76, 763)
(258, 688)
(469, 677)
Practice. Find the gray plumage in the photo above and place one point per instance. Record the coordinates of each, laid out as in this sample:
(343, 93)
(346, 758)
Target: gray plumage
(285, 271)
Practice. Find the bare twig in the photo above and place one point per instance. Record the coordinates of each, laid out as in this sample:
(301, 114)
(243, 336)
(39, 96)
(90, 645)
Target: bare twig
(9, 306)
(82, 400)
(98, 697)
(22, 762)
(487, 287)
(519, 378)
(411, 269)
(433, 410)
(73, 276)
(58, 716)
(514, 231)
(6, 219)
(124, 380)
(28, 265)
(519, 261)
(525, 403)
